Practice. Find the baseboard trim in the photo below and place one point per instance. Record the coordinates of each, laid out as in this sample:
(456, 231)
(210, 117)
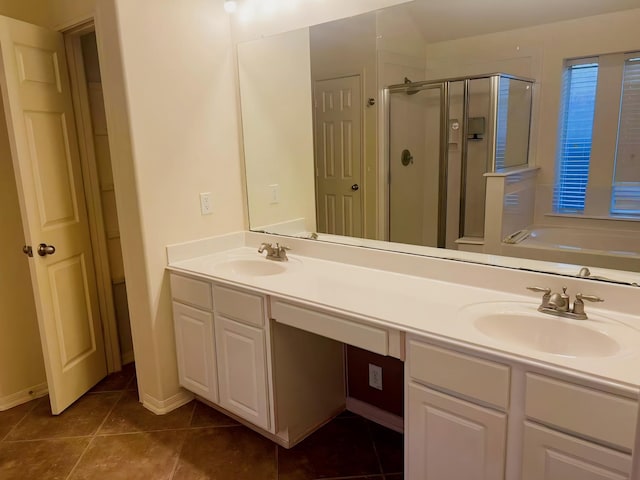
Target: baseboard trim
(162, 407)
(375, 414)
(23, 396)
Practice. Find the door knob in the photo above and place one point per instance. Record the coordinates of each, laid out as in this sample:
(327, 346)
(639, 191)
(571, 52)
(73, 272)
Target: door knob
(355, 187)
(44, 249)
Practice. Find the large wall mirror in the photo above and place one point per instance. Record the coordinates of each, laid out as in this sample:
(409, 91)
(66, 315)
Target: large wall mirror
(503, 134)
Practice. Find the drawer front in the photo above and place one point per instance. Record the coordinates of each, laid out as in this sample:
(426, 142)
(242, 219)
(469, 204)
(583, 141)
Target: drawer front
(239, 305)
(588, 412)
(191, 291)
(373, 339)
(469, 376)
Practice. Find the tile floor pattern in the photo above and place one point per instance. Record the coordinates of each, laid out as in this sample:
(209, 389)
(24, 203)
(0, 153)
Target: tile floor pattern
(107, 434)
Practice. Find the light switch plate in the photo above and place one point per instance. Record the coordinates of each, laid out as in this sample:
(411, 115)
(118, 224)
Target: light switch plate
(274, 193)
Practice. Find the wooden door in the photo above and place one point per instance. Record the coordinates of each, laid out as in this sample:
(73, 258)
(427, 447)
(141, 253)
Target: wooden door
(242, 370)
(195, 350)
(450, 439)
(550, 455)
(39, 115)
(338, 155)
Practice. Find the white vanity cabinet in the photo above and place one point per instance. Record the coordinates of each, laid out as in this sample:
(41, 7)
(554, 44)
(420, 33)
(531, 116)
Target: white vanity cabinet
(460, 422)
(448, 437)
(222, 347)
(193, 324)
(552, 455)
(241, 346)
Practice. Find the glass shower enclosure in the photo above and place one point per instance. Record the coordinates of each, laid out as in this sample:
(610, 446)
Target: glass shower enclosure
(441, 138)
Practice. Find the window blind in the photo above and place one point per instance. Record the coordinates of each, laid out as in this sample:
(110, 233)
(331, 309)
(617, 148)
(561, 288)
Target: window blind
(625, 195)
(501, 127)
(576, 130)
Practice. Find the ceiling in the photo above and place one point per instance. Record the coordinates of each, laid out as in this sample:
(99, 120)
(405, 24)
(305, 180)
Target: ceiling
(435, 18)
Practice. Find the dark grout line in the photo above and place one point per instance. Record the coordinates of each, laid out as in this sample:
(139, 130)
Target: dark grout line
(26, 414)
(184, 440)
(95, 434)
(277, 459)
(47, 439)
(375, 447)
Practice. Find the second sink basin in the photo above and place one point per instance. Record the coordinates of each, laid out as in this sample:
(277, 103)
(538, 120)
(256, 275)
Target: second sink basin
(520, 324)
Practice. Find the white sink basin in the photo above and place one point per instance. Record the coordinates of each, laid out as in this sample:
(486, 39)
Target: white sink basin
(521, 325)
(258, 267)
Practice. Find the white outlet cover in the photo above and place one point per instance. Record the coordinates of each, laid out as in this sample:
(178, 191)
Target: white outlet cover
(206, 208)
(375, 376)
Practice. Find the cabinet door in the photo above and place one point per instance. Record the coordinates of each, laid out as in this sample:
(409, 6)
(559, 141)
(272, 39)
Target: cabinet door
(194, 348)
(550, 455)
(242, 370)
(450, 439)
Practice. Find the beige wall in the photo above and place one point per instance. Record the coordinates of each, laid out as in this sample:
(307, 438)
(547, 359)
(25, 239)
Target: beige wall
(55, 14)
(32, 11)
(67, 13)
(170, 96)
(281, 152)
(303, 15)
(21, 363)
(539, 52)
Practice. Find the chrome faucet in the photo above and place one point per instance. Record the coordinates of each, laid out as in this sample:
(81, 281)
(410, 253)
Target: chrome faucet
(277, 253)
(559, 304)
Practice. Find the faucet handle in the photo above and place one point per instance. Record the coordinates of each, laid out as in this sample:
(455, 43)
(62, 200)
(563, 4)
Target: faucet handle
(545, 290)
(578, 305)
(589, 298)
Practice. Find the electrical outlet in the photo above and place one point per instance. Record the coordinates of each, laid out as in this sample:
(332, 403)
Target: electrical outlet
(274, 193)
(375, 376)
(205, 203)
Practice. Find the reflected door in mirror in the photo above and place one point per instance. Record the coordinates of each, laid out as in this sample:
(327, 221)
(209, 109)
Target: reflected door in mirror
(338, 155)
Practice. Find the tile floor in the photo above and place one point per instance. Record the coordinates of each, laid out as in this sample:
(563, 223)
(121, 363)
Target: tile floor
(107, 434)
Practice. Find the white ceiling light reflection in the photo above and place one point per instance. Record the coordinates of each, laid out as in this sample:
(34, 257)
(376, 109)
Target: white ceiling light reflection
(249, 9)
(230, 6)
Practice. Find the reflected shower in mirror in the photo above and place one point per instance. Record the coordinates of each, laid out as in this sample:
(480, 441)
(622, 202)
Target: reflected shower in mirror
(355, 135)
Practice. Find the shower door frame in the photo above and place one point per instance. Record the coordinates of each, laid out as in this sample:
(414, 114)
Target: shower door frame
(443, 86)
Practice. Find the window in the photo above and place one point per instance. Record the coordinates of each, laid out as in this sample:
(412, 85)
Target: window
(625, 195)
(502, 124)
(576, 131)
(582, 99)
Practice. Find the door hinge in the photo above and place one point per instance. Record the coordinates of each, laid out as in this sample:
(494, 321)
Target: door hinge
(27, 250)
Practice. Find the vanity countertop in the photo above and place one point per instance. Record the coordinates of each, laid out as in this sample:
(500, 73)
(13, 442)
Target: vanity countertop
(414, 304)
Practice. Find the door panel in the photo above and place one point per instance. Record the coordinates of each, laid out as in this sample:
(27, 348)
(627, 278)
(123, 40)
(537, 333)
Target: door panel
(338, 156)
(441, 427)
(37, 105)
(242, 372)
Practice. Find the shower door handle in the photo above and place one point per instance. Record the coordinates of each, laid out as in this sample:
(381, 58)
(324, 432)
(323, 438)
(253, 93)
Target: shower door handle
(355, 187)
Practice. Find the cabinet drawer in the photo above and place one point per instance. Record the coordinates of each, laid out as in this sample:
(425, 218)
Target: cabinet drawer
(191, 291)
(243, 306)
(373, 339)
(588, 412)
(469, 376)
